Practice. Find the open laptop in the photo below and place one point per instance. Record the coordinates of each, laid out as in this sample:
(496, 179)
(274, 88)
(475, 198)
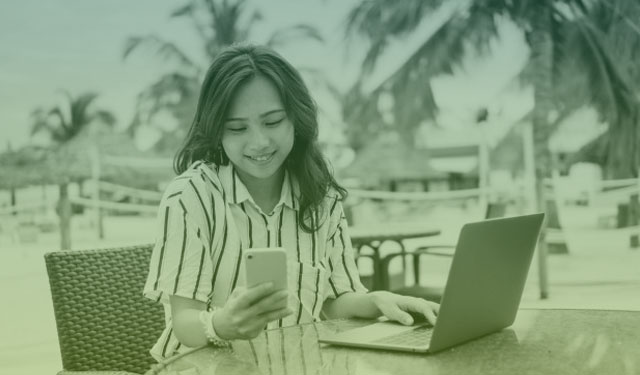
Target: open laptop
(482, 294)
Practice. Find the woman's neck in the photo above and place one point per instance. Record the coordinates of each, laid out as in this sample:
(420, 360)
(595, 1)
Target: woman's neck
(265, 192)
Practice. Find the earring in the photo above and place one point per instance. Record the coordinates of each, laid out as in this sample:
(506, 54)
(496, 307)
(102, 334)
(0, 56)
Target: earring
(219, 156)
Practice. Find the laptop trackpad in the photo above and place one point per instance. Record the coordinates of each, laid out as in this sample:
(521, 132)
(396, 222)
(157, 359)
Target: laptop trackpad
(372, 332)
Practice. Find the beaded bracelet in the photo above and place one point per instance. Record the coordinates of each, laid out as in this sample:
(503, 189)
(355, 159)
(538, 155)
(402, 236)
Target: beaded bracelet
(206, 318)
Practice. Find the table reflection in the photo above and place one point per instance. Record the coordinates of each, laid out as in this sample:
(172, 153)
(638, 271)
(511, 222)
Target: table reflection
(540, 341)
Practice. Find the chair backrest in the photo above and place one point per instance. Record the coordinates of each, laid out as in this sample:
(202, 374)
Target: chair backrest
(104, 323)
(495, 210)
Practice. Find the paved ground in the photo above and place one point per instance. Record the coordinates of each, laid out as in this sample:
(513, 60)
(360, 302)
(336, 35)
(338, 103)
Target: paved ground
(600, 272)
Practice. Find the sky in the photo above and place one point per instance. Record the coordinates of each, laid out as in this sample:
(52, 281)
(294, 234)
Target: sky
(77, 45)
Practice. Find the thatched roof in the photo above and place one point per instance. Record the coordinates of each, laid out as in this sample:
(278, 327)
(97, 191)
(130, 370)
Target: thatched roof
(72, 161)
(22, 167)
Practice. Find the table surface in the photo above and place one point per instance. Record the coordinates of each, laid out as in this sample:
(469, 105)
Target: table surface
(539, 342)
(391, 231)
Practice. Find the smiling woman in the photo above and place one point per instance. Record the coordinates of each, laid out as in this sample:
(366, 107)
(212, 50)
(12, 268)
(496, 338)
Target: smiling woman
(257, 139)
(252, 176)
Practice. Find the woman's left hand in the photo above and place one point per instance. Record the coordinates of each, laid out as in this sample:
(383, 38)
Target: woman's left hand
(397, 307)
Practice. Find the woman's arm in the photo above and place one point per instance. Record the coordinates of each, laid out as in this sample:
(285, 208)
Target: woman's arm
(244, 315)
(351, 305)
(186, 322)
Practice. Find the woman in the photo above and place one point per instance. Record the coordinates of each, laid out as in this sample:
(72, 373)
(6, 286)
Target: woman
(251, 175)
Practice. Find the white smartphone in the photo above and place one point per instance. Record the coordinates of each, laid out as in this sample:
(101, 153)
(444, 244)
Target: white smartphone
(266, 264)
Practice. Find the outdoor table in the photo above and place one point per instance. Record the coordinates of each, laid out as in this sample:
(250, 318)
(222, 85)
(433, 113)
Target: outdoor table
(374, 236)
(539, 342)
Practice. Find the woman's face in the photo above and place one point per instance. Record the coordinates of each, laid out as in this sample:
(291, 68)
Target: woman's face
(257, 135)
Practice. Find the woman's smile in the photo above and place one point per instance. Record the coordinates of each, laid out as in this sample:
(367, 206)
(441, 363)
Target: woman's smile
(261, 158)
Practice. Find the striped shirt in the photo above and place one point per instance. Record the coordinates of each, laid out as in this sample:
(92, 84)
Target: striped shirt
(207, 218)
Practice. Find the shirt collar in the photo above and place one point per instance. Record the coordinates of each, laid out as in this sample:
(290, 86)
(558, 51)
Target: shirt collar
(237, 192)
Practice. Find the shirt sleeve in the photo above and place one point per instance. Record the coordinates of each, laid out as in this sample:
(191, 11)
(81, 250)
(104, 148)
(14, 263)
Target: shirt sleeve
(344, 276)
(181, 262)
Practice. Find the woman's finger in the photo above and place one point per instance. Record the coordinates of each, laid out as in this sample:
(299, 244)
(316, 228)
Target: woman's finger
(435, 306)
(420, 306)
(275, 301)
(275, 315)
(258, 323)
(254, 294)
(393, 312)
(428, 312)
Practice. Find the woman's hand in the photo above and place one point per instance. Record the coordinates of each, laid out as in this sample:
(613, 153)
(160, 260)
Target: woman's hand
(247, 311)
(397, 307)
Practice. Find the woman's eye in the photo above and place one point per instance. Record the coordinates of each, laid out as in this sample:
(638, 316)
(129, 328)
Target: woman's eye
(236, 130)
(272, 123)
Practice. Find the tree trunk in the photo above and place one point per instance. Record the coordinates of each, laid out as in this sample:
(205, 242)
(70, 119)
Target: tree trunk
(100, 214)
(64, 213)
(12, 192)
(542, 58)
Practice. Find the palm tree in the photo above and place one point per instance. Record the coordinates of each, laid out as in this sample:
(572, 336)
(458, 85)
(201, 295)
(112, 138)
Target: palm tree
(562, 38)
(217, 23)
(617, 151)
(63, 126)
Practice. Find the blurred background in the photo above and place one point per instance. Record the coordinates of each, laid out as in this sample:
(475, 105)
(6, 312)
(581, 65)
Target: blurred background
(430, 111)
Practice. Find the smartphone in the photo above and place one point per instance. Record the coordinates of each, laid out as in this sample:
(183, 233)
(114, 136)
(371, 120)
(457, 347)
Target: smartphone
(266, 264)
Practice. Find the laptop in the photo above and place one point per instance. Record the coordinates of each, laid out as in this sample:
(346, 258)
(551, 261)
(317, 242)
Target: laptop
(482, 294)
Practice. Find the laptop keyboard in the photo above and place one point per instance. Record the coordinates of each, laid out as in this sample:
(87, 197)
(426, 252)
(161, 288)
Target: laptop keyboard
(418, 336)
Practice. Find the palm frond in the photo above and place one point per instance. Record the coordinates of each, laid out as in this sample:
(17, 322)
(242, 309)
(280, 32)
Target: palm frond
(445, 49)
(320, 79)
(40, 123)
(610, 93)
(62, 121)
(211, 7)
(375, 50)
(621, 35)
(165, 49)
(104, 117)
(61, 130)
(580, 5)
(362, 116)
(410, 86)
(379, 21)
(79, 109)
(300, 31)
(244, 32)
(225, 21)
(185, 10)
(175, 92)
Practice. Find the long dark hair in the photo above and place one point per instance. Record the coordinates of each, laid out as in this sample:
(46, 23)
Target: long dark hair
(232, 68)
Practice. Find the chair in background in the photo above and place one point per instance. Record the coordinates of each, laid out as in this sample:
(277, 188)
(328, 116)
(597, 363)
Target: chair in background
(104, 323)
(494, 210)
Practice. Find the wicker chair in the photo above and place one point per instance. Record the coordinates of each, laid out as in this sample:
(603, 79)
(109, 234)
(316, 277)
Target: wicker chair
(104, 323)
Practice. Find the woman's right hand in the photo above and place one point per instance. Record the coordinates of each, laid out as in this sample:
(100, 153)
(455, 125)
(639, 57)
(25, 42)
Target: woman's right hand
(247, 311)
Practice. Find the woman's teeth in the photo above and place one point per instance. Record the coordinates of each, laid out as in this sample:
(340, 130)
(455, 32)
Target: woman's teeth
(261, 157)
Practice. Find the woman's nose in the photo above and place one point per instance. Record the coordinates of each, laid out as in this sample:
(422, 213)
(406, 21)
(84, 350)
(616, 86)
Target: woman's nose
(258, 138)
